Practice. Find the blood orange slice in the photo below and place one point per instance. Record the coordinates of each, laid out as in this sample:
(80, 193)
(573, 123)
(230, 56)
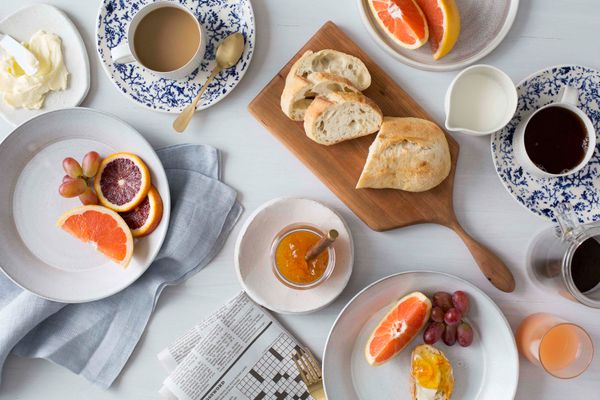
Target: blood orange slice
(398, 328)
(402, 20)
(143, 219)
(103, 227)
(443, 19)
(122, 182)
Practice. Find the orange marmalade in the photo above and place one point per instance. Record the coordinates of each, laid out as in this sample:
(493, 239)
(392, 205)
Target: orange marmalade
(290, 253)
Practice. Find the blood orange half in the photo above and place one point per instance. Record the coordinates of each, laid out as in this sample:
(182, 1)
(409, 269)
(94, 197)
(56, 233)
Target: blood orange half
(398, 328)
(103, 227)
(402, 20)
(122, 182)
(144, 219)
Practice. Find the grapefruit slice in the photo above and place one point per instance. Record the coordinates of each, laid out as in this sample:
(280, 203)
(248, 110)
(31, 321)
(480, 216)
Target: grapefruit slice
(398, 328)
(144, 219)
(122, 182)
(102, 227)
(402, 20)
(443, 19)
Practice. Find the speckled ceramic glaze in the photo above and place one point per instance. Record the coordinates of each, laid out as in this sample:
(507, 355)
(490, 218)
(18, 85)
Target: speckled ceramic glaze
(219, 18)
(542, 195)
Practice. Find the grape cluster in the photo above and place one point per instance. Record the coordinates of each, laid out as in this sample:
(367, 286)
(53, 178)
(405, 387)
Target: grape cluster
(446, 321)
(80, 177)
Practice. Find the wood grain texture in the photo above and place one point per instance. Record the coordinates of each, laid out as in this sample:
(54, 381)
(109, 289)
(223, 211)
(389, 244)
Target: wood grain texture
(339, 166)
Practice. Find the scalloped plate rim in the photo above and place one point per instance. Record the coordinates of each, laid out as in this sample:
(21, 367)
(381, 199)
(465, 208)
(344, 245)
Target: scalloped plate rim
(492, 136)
(200, 107)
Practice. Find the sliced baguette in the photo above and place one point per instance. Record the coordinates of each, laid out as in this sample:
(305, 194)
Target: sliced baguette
(332, 62)
(340, 116)
(410, 154)
(300, 92)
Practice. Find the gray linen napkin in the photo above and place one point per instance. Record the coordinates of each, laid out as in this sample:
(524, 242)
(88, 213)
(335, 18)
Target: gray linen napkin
(96, 339)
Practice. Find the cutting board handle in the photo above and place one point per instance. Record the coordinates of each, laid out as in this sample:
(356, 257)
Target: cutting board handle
(490, 264)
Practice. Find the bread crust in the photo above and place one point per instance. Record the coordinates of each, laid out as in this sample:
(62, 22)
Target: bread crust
(410, 154)
(322, 103)
(309, 63)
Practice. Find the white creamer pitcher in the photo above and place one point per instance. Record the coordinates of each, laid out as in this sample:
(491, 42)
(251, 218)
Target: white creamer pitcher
(480, 100)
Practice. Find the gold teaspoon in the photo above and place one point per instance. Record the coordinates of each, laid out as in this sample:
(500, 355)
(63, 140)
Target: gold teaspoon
(229, 53)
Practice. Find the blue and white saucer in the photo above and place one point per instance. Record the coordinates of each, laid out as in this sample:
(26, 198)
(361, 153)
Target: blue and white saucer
(219, 18)
(542, 195)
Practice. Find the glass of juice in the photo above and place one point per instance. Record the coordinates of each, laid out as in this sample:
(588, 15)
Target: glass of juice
(563, 349)
(288, 253)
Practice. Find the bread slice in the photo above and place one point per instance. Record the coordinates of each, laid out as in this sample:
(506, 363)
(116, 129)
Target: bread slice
(332, 62)
(299, 92)
(446, 384)
(410, 154)
(340, 116)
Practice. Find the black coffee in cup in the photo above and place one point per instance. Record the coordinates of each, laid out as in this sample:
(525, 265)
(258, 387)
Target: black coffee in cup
(556, 140)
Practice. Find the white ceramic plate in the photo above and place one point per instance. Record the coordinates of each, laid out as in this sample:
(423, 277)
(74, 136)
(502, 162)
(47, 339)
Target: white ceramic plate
(22, 25)
(488, 369)
(484, 24)
(36, 254)
(253, 255)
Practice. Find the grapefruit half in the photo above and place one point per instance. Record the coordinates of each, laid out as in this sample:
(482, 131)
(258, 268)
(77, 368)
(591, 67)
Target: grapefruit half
(443, 20)
(398, 328)
(103, 227)
(402, 20)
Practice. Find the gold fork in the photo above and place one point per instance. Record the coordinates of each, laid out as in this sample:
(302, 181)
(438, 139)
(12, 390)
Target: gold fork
(310, 372)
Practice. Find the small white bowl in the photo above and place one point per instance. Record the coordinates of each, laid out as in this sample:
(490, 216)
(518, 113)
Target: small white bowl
(480, 100)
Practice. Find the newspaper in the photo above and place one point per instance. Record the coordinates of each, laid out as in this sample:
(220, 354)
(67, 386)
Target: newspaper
(239, 352)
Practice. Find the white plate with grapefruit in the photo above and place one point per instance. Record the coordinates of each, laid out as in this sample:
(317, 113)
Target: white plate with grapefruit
(59, 248)
(487, 369)
(438, 35)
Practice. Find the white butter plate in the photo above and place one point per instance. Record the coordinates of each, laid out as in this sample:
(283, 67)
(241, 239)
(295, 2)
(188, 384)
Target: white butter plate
(22, 25)
(488, 369)
(253, 255)
(484, 24)
(36, 254)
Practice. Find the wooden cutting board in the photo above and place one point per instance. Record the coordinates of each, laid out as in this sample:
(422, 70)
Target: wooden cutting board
(339, 166)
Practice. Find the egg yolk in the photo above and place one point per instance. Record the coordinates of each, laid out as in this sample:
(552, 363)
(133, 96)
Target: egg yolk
(427, 372)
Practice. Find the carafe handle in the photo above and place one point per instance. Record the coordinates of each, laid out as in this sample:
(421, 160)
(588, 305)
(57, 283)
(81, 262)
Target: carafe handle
(567, 221)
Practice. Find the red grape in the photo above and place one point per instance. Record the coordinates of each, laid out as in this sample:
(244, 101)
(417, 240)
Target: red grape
(452, 316)
(67, 178)
(464, 334)
(461, 302)
(88, 197)
(449, 336)
(443, 300)
(90, 164)
(72, 188)
(433, 332)
(72, 167)
(437, 314)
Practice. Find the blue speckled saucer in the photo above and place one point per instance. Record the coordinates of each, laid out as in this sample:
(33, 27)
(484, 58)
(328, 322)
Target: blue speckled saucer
(219, 18)
(539, 195)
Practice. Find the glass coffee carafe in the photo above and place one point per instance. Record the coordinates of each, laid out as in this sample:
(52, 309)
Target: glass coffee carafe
(566, 259)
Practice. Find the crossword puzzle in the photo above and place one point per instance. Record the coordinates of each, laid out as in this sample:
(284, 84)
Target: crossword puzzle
(274, 376)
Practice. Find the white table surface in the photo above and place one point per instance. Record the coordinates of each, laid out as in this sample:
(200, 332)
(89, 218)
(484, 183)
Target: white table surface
(546, 32)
